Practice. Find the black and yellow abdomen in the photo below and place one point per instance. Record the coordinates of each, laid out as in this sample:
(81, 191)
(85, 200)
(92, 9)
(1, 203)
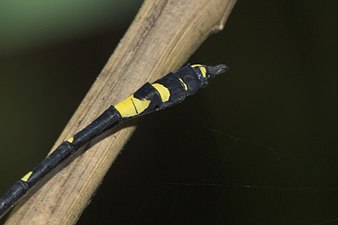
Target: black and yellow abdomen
(168, 91)
(163, 93)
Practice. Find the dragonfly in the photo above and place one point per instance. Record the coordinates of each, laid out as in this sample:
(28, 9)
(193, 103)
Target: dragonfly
(166, 92)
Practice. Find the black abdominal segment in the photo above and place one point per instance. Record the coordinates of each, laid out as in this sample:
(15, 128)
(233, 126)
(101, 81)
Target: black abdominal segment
(165, 92)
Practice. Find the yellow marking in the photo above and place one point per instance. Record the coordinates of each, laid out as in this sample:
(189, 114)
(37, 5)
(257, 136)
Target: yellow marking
(184, 84)
(164, 92)
(202, 69)
(27, 176)
(70, 140)
(132, 106)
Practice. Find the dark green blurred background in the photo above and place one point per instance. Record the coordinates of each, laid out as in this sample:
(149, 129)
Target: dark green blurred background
(255, 147)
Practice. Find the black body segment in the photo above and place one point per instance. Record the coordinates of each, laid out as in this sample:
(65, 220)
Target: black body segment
(13, 195)
(165, 92)
(177, 89)
(62, 152)
(104, 122)
(192, 78)
(148, 92)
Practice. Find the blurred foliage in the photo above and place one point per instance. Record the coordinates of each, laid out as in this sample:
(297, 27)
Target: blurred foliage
(30, 24)
(50, 53)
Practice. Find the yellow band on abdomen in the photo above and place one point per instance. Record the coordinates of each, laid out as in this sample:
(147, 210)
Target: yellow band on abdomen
(132, 106)
(27, 176)
(202, 69)
(163, 91)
